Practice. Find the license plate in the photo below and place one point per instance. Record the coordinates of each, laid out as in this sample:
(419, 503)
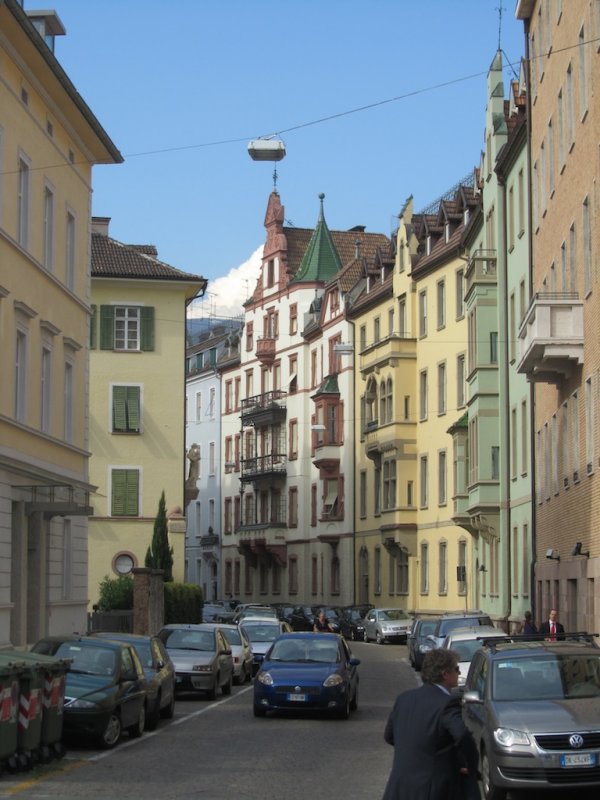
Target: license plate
(297, 698)
(578, 760)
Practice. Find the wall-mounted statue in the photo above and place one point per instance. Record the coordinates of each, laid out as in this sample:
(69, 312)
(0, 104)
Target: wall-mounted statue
(191, 488)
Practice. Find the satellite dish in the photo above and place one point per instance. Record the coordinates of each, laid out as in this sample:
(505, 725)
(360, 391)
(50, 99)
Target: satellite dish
(266, 149)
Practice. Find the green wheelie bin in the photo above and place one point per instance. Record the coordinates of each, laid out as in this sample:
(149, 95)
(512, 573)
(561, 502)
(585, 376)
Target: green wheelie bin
(29, 712)
(11, 669)
(53, 671)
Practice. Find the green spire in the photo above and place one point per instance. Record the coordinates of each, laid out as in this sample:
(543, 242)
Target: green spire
(321, 260)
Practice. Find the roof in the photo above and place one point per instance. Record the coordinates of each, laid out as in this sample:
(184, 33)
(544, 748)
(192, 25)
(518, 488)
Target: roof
(321, 260)
(113, 259)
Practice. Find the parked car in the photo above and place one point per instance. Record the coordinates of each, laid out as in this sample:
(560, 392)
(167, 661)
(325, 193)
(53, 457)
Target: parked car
(253, 611)
(159, 671)
(533, 708)
(466, 641)
(418, 640)
(283, 611)
(217, 612)
(448, 622)
(331, 616)
(202, 657)
(241, 650)
(387, 625)
(302, 618)
(262, 633)
(352, 625)
(105, 687)
(307, 671)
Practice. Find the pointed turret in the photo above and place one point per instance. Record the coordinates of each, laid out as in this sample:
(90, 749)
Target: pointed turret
(321, 260)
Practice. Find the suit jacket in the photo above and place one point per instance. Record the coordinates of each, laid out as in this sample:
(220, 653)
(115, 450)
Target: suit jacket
(545, 629)
(431, 743)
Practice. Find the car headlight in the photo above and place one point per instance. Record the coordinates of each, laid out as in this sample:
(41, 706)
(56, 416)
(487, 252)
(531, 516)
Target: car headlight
(333, 680)
(265, 677)
(425, 647)
(202, 668)
(506, 737)
(81, 704)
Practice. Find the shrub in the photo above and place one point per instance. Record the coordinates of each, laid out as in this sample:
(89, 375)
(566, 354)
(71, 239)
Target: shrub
(116, 593)
(183, 602)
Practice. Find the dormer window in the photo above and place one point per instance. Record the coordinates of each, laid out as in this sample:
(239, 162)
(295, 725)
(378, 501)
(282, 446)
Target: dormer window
(447, 232)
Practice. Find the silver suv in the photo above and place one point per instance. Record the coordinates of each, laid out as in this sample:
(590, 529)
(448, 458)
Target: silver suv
(534, 710)
(448, 622)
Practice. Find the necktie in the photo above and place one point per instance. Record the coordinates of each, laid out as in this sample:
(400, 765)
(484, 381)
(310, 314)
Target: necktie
(553, 630)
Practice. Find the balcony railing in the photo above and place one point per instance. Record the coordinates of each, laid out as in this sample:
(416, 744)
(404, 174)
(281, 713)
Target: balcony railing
(387, 351)
(262, 409)
(274, 464)
(481, 268)
(551, 337)
(272, 513)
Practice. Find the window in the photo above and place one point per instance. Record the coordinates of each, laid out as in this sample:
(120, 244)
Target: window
(377, 569)
(293, 575)
(332, 503)
(402, 572)
(402, 326)
(48, 235)
(127, 328)
(495, 452)
(424, 481)
(249, 335)
(23, 203)
(313, 505)
(573, 258)
(249, 383)
(293, 442)
(227, 513)
(46, 390)
(424, 568)
(462, 563)
(521, 190)
(211, 402)
(583, 76)
(363, 337)
(70, 251)
(551, 171)
(493, 347)
(313, 369)
(524, 438)
(125, 492)
(270, 273)
(376, 331)
(236, 393)
(389, 484)
(293, 507)
(442, 478)
(570, 107)
(228, 396)
(67, 559)
(441, 304)
(587, 247)
(560, 114)
(362, 493)
(293, 374)
(391, 322)
(293, 318)
(443, 568)
(409, 493)
(460, 293)
(198, 406)
(575, 435)
(589, 426)
(314, 575)
(511, 218)
(460, 380)
(126, 409)
(422, 314)
(513, 327)
(441, 375)
(423, 394)
(68, 402)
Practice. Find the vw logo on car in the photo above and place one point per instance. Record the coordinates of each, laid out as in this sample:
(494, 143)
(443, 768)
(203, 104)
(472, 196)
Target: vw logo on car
(576, 740)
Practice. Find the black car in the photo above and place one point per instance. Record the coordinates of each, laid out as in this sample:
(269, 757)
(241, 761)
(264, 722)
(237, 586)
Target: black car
(351, 623)
(302, 618)
(159, 671)
(284, 611)
(418, 642)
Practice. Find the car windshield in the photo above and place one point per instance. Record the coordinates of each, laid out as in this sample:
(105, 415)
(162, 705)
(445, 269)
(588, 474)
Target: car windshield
(232, 635)
(426, 627)
(392, 613)
(547, 677)
(189, 640)
(262, 633)
(87, 659)
(297, 650)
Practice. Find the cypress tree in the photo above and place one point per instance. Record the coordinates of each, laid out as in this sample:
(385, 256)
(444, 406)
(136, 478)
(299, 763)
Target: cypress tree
(160, 555)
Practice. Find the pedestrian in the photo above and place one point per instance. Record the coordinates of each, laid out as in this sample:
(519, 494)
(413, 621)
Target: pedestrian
(527, 627)
(552, 629)
(435, 755)
(321, 624)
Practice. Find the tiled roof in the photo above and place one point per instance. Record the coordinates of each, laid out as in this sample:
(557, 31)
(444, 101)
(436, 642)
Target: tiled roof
(113, 259)
(344, 241)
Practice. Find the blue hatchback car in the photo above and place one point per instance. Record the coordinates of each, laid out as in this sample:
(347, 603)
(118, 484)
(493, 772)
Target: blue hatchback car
(307, 672)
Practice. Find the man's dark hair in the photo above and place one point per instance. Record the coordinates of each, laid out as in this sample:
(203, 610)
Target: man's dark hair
(436, 662)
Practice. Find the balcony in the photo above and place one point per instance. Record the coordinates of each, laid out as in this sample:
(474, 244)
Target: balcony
(387, 352)
(271, 466)
(270, 514)
(264, 409)
(379, 439)
(481, 269)
(551, 337)
(263, 547)
(266, 349)
(210, 540)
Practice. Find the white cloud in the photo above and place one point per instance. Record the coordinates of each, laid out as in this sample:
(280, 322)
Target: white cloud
(225, 296)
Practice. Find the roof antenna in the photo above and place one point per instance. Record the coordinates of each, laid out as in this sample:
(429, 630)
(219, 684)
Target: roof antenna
(500, 9)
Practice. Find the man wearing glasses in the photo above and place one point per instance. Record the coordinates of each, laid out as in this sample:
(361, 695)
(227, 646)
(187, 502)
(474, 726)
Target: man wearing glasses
(435, 756)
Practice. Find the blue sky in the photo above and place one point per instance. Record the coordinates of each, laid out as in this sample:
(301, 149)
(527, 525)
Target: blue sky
(167, 80)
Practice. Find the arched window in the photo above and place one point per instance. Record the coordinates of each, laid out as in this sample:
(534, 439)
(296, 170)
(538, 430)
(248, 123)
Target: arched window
(383, 414)
(390, 401)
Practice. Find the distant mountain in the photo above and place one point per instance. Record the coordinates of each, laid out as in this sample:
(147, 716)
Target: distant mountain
(198, 329)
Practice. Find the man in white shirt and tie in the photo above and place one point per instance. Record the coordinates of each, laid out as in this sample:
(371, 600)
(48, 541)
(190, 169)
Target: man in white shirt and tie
(552, 629)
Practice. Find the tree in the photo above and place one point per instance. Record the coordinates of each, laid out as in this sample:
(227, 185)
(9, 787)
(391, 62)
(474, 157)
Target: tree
(160, 554)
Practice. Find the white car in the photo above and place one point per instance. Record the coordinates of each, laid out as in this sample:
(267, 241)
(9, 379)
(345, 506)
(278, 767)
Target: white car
(387, 625)
(241, 650)
(466, 642)
(262, 632)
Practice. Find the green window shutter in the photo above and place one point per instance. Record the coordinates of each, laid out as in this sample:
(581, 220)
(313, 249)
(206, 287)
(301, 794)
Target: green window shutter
(131, 502)
(147, 328)
(118, 493)
(119, 408)
(125, 491)
(107, 327)
(133, 409)
(94, 328)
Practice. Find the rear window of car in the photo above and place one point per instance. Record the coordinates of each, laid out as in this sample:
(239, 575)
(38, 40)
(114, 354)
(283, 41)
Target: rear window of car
(447, 625)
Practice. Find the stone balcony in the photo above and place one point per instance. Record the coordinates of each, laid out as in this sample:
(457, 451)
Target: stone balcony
(387, 352)
(266, 350)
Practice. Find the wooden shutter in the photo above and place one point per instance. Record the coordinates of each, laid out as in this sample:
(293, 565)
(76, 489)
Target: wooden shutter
(94, 328)
(119, 404)
(125, 492)
(147, 328)
(133, 409)
(107, 327)
(118, 493)
(132, 486)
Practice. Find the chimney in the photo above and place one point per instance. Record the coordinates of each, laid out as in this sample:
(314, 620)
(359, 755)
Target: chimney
(100, 225)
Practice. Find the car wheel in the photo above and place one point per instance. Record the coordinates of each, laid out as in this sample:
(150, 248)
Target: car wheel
(212, 692)
(490, 790)
(242, 676)
(354, 701)
(168, 711)
(260, 712)
(112, 732)
(344, 712)
(153, 716)
(227, 687)
(379, 638)
(365, 636)
(135, 731)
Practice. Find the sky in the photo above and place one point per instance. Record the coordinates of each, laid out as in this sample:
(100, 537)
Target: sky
(375, 100)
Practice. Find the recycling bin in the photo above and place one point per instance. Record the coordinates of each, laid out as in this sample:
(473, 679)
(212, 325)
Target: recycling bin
(29, 715)
(11, 669)
(53, 671)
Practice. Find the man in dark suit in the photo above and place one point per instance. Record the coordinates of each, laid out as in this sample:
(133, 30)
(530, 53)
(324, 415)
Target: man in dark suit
(435, 756)
(552, 629)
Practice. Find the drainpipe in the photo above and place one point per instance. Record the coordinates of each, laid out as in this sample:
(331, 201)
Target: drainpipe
(353, 328)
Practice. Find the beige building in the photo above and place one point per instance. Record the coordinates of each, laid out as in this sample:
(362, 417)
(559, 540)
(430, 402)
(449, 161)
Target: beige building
(559, 334)
(49, 141)
(137, 403)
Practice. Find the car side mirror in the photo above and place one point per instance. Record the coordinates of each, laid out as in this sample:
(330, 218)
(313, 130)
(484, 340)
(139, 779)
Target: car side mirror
(472, 698)
(226, 652)
(130, 675)
(354, 662)
(160, 664)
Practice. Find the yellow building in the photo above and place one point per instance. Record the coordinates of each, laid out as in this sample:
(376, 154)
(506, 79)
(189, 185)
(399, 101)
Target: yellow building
(137, 403)
(49, 141)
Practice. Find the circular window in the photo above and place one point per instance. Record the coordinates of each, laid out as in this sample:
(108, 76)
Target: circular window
(123, 563)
